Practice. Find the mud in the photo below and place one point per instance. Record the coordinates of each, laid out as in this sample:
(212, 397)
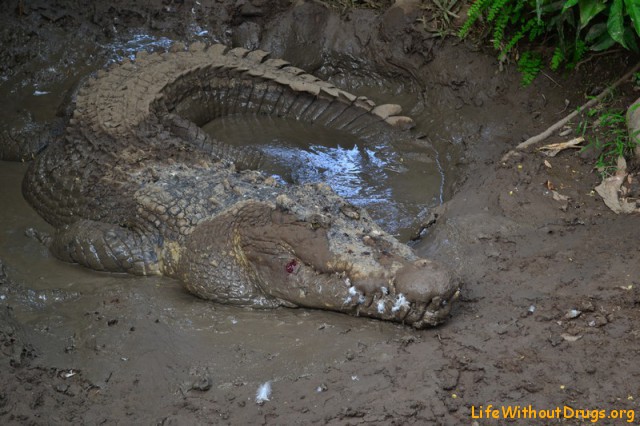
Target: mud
(549, 311)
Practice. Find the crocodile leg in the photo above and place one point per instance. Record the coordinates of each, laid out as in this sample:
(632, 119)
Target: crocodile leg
(106, 247)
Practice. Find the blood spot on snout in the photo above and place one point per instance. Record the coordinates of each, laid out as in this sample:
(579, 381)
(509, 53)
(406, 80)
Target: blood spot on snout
(291, 266)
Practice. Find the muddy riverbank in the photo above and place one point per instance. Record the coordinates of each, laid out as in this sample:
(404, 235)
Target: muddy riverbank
(548, 315)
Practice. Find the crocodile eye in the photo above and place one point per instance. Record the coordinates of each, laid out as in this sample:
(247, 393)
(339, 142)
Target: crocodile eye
(291, 266)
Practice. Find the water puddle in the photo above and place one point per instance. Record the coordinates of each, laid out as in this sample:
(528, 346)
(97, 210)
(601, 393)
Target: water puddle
(396, 184)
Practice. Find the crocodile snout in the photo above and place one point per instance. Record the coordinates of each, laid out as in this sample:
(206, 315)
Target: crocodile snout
(424, 280)
(430, 289)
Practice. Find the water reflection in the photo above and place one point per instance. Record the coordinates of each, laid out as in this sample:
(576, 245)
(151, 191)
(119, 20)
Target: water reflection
(344, 169)
(397, 186)
(121, 49)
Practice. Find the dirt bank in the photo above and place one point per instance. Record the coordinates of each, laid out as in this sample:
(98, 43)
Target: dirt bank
(549, 313)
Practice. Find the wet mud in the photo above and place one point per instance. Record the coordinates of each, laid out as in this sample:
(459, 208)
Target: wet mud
(548, 315)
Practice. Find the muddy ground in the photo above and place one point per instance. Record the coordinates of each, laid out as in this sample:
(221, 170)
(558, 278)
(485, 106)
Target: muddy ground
(549, 313)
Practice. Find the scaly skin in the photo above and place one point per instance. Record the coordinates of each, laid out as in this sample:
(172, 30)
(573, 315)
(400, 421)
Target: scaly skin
(135, 185)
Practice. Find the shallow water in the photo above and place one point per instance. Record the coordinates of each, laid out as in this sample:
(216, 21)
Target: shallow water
(397, 184)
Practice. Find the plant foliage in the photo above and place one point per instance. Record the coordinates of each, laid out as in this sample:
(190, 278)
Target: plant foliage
(610, 138)
(575, 27)
(529, 64)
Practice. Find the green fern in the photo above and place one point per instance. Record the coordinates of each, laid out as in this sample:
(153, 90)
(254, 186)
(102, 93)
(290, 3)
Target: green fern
(557, 58)
(501, 14)
(575, 26)
(538, 28)
(513, 21)
(579, 51)
(516, 38)
(530, 65)
(473, 14)
(498, 30)
(495, 8)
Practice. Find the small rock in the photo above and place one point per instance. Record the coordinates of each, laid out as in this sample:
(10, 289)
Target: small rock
(203, 384)
(62, 388)
(587, 306)
(555, 340)
(573, 313)
(598, 321)
(532, 387)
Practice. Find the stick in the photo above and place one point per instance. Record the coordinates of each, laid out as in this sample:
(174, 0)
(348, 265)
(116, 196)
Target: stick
(542, 136)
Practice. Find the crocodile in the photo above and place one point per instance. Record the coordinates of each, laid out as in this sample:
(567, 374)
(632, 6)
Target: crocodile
(135, 185)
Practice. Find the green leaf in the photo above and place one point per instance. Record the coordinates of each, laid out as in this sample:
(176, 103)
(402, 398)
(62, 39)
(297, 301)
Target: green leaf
(590, 9)
(630, 38)
(555, 6)
(615, 23)
(602, 43)
(569, 4)
(595, 31)
(633, 9)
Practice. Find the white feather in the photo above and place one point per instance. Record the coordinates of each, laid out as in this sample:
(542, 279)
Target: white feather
(263, 393)
(400, 303)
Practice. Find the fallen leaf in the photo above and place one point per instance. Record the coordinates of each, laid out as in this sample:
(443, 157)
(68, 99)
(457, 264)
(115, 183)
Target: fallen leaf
(547, 164)
(559, 197)
(570, 338)
(549, 185)
(553, 149)
(610, 190)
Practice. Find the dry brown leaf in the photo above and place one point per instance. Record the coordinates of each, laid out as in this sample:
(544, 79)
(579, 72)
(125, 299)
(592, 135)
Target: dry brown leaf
(559, 197)
(553, 149)
(611, 188)
(571, 338)
(549, 185)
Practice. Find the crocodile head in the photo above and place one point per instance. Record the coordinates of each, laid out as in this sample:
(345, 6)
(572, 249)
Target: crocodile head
(313, 249)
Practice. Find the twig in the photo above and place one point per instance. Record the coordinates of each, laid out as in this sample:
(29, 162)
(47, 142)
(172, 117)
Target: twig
(542, 136)
(595, 55)
(549, 77)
